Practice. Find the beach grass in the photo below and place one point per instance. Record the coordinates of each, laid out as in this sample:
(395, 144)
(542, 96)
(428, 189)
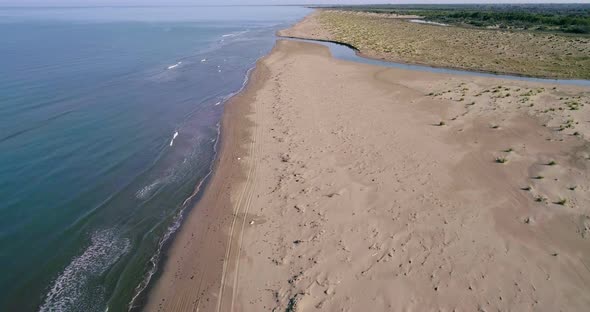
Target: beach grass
(514, 52)
(501, 160)
(540, 199)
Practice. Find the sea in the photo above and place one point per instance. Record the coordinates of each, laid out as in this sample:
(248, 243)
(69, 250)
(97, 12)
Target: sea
(109, 124)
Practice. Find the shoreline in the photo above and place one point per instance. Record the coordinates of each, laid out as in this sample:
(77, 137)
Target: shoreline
(140, 298)
(142, 290)
(210, 216)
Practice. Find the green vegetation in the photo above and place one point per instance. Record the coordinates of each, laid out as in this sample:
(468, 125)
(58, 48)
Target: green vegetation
(573, 105)
(568, 18)
(568, 124)
(501, 160)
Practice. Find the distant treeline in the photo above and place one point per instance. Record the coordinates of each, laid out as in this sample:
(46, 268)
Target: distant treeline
(571, 18)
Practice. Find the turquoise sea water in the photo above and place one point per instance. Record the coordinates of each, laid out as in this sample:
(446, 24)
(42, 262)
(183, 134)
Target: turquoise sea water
(108, 123)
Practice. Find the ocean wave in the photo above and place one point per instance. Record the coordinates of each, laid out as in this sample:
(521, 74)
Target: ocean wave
(41, 124)
(174, 66)
(71, 290)
(224, 98)
(169, 177)
(244, 84)
(146, 191)
(173, 137)
(155, 259)
(234, 34)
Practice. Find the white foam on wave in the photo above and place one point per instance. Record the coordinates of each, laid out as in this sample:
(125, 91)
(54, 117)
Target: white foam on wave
(234, 34)
(217, 103)
(147, 190)
(173, 137)
(155, 259)
(174, 66)
(70, 291)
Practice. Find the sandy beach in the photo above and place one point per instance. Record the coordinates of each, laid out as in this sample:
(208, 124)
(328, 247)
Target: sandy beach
(343, 186)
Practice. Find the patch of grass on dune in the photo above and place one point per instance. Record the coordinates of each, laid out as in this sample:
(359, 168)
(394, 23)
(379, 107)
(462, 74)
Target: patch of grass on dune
(518, 52)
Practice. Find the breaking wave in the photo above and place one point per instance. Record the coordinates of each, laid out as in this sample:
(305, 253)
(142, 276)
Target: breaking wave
(173, 137)
(155, 259)
(72, 289)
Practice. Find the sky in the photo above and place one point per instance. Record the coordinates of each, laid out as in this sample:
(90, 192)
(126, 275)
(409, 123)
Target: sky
(233, 2)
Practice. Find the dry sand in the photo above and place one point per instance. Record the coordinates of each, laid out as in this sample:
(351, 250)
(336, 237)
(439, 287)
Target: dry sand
(347, 187)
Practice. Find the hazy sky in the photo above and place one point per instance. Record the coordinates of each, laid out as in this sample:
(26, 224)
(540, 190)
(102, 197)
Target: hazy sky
(209, 2)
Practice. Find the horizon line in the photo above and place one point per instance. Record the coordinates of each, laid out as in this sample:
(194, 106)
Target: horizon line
(279, 5)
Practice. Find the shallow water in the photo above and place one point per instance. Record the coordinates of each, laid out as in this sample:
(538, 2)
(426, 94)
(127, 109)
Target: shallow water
(108, 121)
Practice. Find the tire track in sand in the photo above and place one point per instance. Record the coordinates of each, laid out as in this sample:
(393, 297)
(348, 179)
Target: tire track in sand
(259, 131)
(241, 209)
